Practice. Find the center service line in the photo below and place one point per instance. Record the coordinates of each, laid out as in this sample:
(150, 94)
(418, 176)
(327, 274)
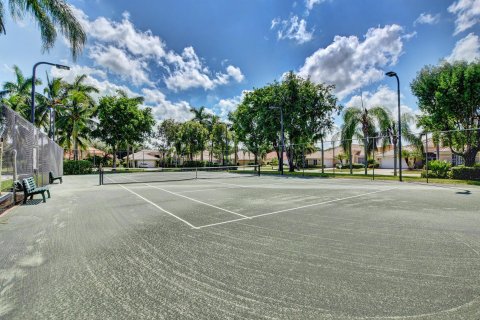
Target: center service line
(296, 208)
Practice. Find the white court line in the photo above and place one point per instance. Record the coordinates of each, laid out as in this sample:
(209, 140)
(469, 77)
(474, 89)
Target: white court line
(191, 199)
(296, 208)
(195, 200)
(158, 207)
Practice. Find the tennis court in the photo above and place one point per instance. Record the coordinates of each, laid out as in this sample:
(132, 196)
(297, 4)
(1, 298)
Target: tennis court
(257, 247)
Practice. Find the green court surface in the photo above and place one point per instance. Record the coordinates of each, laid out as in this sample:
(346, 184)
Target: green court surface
(245, 248)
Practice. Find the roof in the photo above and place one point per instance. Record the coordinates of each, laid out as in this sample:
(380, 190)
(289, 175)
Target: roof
(328, 153)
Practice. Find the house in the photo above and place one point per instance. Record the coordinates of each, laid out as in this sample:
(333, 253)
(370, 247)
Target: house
(386, 159)
(245, 158)
(85, 154)
(330, 156)
(143, 159)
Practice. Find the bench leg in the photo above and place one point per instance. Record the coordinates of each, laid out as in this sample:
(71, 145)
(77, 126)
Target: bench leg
(48, 192)
(31, 197)
(61, 180)
(25, 200)
(43, 196)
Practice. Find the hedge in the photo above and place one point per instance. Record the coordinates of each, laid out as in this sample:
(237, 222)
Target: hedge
(71, 167)
(354, 166)
(437, 169)
(465, 173)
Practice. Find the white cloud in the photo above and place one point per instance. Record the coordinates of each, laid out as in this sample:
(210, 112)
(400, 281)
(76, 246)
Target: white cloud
(123, 34)
(235, 73)
(292, 29)
(350, 63)
(104, 86)
(427, 18)
(165, 109)
(311, 3)
(190, 72)
(383, 96)
(118, 62)
(127, 51)
(467, 49)
(467, 12)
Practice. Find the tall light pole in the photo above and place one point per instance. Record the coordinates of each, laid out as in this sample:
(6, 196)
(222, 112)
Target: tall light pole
(282, 147)
(59, 66)
(394, 74)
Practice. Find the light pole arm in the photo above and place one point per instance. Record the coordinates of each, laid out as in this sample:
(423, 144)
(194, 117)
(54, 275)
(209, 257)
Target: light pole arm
(32, 116)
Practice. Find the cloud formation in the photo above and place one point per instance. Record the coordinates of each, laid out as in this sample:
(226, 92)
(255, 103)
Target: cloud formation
(466, 49)
(467, 12)
(350, 63)
(122, 49)
(292, 29)
(427, 18)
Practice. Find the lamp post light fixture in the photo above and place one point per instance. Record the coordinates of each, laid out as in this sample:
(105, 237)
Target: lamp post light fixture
(394, 74)
(56, 65)
(282, 147)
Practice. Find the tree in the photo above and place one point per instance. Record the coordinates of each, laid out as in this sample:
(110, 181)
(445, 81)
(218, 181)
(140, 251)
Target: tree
(391, 135)
(50, 15)
(202, 117)
(18, 93)
(166, 134)
(193, 136)
(361, 123)
(55, 93)
(449, 99)
(307, 109)
(74, 115)
(122, 121)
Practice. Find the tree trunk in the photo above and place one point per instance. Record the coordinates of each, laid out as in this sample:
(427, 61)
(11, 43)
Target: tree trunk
(469, 156)
(291, 167)
(365, 143)
(114, 158)
(323, 157)
(350, 158)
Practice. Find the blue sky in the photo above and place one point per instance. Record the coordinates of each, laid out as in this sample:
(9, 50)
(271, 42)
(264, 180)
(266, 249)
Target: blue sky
(182, 54)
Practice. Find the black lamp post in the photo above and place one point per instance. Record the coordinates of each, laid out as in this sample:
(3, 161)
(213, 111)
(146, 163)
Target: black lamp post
(394, 74)
(59, 66)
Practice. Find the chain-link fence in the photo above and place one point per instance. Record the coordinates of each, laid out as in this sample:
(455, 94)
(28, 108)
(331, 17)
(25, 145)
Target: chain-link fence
(26, 151)
(423, 156)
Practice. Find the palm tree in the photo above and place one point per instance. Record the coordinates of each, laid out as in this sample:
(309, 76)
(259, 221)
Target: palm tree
(18, 92)
(391, 133)
(212, 121)
(50, 15)
(75, 116)
(361, 123)
(202, 117)
(55, 93)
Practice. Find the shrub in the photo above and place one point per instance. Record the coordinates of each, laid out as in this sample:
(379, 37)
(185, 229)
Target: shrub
(373, 164)
(354, 166)
(71, 167)
(437, 169)
(465, 173)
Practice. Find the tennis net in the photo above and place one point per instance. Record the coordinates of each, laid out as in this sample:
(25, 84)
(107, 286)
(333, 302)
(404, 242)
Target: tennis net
(124, 176)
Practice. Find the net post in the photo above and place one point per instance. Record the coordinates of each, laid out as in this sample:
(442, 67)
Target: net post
(196, 172)
(259, 166)
(100, 175)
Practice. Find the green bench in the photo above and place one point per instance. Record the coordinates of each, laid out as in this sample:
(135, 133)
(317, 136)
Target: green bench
(52, 178)
(30, 189)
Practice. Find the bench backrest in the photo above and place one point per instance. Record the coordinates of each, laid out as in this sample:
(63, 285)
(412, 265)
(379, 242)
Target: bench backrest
(29, 184)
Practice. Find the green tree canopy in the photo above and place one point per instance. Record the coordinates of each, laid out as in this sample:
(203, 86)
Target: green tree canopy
(449, 98)
(121, 120)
